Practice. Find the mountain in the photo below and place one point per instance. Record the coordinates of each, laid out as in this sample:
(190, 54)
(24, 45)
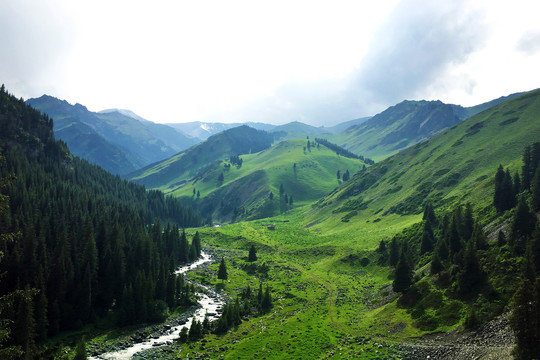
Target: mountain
(345, 125)
(187, 164)
(118, 140)
(203, 130)
(455, 166)
(297, 130)
(405, 124)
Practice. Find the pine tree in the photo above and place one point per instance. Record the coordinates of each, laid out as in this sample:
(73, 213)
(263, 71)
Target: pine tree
(427, 238)
(403, 274)
(498, 196)
(266, 302)
(522, 226)
(453, 240)
(252, 254)
(471, 278)
(222, 272)
(436, 265)
(290, 200)
(429, 213)
(196, 243)
(382, 247)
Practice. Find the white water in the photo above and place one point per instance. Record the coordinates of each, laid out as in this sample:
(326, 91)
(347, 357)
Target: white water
(208, 305)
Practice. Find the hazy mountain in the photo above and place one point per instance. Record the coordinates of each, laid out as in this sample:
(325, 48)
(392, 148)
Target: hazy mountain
(203, 130)
(118, 140)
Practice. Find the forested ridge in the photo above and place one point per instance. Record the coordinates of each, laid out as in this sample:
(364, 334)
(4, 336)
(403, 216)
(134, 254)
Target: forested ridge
(78, 244)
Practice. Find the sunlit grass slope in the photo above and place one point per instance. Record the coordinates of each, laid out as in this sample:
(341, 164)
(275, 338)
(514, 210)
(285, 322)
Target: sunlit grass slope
(249, 186)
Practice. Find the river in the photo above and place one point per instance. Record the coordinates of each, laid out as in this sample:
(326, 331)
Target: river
(209, 304)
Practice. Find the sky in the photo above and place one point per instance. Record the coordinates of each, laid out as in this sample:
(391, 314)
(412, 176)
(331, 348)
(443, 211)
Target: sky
(319, 62)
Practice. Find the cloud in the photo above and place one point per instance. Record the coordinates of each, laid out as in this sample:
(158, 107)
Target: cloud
(415, 46)
(412, 49)
(529, 43)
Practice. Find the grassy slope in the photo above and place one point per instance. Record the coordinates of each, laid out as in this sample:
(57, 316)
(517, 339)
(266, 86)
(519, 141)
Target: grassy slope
(315, 174)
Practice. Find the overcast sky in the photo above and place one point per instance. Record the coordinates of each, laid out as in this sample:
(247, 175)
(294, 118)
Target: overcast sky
(320, 62)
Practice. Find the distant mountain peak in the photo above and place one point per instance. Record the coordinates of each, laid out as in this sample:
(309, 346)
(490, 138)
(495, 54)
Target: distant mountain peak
(124, 112)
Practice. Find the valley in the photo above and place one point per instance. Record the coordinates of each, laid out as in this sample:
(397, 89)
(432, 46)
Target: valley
(377, 264)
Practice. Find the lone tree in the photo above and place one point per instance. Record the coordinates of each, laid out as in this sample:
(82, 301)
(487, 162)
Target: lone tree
(222, 272)
(403, 278)
(252, 254)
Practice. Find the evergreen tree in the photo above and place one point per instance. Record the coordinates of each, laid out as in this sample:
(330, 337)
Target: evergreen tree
(498, 201)
(198, 194)
(346, 175)
(252, 254)
(338, 174)
(196, 245)
(290, 200)
(523, 224)
(266, 303)
(471, 278)
(220, 178)
(453, 239)
(436, 265)
(427, 238)
(382, 247)
(403, 274)
(222, 272)
(429, 213)
(195, 330)
(281, 190)
(271, 195)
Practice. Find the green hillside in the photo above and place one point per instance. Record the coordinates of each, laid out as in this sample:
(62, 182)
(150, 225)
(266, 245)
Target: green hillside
(455, 166)
(245, 189)
(184, 166)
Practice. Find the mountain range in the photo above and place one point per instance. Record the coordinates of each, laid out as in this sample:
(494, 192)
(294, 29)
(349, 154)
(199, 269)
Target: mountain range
(118, 140)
